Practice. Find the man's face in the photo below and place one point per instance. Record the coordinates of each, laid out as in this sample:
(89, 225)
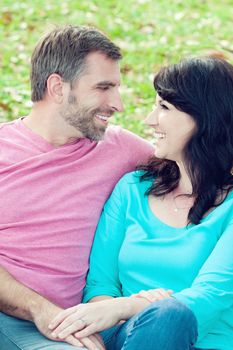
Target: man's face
(94, 97)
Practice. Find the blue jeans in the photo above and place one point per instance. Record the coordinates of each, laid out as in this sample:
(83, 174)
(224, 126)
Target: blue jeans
(16, 334)
(164, 325)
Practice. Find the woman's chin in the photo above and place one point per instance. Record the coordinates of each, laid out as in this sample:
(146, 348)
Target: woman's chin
(159, 154)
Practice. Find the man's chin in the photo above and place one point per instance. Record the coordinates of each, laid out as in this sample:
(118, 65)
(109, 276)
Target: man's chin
(97, 136)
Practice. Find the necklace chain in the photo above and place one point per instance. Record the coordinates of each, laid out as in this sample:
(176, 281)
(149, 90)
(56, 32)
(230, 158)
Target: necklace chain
(177, 208)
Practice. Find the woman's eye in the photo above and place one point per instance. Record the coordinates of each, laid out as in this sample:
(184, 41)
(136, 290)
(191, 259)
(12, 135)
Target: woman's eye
(163, 106)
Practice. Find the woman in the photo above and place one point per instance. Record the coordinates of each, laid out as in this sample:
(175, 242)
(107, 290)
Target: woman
(162, 258)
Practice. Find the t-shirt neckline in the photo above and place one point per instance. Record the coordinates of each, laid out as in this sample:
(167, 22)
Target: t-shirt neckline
(41, 142)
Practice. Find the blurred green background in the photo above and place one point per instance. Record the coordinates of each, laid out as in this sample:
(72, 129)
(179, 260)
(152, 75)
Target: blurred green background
(150, 34)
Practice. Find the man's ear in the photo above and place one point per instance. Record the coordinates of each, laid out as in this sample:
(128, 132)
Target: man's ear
(55, 88)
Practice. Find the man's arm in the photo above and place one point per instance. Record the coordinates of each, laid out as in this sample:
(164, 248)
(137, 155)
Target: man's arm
(22, 302)
(17, 300)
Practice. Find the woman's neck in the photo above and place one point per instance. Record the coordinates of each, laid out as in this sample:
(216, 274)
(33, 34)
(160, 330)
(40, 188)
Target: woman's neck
(185, 185)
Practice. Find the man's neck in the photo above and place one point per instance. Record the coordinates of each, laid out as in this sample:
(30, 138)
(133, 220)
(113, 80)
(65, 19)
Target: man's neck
(50, 126)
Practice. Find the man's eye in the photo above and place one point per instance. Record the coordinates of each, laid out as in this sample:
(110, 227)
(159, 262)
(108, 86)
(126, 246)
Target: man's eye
(103, 88)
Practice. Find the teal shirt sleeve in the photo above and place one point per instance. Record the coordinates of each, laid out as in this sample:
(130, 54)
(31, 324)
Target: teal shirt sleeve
(103, 276)
(212, 290)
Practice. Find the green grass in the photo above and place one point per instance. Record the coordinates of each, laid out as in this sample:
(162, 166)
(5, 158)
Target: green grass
(151, 33)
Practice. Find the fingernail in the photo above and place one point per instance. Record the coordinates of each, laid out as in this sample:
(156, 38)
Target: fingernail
(54, 335)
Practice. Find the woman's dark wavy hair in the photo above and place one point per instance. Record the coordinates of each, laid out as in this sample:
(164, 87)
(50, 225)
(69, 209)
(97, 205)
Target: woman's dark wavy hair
(203, 88)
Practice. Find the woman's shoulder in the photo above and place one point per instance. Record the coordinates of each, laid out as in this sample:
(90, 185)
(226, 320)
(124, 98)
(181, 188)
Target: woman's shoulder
(222, 213)
(226, 199)
(131, 182)
(133, 178)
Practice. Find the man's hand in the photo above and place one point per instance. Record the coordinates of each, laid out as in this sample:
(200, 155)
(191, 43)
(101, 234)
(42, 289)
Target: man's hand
(47, 312)
(43, 314)
(22, 302)
(93, 342)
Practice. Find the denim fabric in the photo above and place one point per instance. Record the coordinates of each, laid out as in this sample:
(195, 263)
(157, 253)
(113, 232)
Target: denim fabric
(164, 325)
(16, 334)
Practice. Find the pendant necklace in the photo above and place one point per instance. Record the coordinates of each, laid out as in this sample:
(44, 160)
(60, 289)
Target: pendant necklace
(178, 208)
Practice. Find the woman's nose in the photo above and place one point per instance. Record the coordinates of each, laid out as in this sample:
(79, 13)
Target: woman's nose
(151, 119)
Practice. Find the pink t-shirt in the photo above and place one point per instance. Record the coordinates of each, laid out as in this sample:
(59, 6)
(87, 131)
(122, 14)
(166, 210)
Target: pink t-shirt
(50, 201)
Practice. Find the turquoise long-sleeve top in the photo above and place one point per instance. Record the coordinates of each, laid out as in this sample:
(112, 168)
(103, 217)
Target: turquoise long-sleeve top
(134, 250)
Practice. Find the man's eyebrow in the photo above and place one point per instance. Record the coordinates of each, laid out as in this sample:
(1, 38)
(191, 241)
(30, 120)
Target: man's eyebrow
(106, 83)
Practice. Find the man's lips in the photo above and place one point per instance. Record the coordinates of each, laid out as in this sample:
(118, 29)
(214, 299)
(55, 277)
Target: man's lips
(104, 118)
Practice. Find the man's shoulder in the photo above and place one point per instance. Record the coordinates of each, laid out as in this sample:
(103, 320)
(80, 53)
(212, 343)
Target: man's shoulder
(113, 132)
(6, 127)
(117, 133)
(127, 146)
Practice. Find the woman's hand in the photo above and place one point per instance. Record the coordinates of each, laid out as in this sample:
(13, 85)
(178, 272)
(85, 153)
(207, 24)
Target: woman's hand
(153, 295)
(84, 320)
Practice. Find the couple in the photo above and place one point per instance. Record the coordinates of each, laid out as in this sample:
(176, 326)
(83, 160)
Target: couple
(161, 266)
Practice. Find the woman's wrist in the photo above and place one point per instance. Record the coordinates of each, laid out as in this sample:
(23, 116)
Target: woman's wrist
(130, 306)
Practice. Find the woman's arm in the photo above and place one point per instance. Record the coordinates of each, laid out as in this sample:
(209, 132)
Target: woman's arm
(103, 276)
(211, 294)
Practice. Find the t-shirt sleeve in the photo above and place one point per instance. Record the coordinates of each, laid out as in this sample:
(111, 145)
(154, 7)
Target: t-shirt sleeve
(212, 290)
(139, 150)
(103, 276)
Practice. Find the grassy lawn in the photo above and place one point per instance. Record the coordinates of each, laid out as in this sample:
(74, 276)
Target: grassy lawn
(150, 32)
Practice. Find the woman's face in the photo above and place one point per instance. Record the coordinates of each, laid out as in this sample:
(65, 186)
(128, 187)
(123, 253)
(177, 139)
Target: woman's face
(173, 129)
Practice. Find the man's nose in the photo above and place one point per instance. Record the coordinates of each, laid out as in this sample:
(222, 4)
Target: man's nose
(116, 102)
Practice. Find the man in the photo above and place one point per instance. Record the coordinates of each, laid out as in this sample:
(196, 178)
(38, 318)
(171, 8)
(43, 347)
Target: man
(58, 166)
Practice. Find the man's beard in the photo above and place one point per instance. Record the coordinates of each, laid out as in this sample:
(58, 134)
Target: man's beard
(83, 119)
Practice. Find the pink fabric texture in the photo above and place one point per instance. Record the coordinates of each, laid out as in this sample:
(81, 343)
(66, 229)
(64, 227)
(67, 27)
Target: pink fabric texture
(51, 199)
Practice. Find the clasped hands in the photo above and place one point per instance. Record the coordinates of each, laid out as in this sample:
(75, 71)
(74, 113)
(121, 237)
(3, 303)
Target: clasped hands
(85, 320)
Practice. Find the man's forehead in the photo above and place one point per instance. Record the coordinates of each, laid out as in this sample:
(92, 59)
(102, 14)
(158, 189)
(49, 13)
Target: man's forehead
(98, 63)
(99, 56)
(100, 70)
